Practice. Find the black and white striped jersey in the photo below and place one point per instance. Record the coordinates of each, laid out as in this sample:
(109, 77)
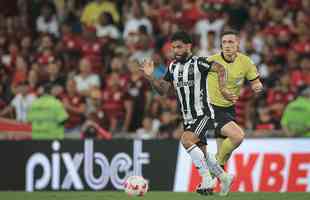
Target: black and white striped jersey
(190, 82)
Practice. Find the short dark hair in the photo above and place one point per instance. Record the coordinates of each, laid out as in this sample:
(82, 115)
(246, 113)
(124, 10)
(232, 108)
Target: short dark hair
(181, 36)
(229, 32)
(47, 88)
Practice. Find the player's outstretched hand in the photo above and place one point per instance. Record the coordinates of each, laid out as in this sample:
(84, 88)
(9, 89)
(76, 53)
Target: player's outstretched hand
(147, 67)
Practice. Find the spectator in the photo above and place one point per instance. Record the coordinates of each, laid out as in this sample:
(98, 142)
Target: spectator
(210, 23)
(210, 48)
(94, 9)
(279, 96)
(20, 71)
(27, 48)
(9, 58)
(46, 42)
(70, 47)
(119, 66)
(47, 116)
(92, 48)
(295, 120)
(55, 77)
(138, 19)
(160, 68)
(117, 105)
(237, 14)
(149, 129)
(142, 49)
(139, 94)
(86, 80)
(33, 80)
(75, 106)
(91, 129)
(47, 21)
(302, 77)
(106, 28)
(21, 103)
(3, 100)
(70, 41)
(266, 126)
(94, 106)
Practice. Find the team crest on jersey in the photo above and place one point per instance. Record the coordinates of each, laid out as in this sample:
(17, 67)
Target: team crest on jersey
(189, 83)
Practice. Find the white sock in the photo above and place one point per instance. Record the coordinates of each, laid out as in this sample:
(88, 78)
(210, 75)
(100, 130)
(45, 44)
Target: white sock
(213, 165)
(198, 159)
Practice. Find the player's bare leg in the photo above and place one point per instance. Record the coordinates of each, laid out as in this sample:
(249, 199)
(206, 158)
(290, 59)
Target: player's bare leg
(235, 136)
(189, 141)
(219, 142)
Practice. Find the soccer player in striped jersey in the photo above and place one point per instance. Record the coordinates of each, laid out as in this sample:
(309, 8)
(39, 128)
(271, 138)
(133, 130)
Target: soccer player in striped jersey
(187, 78)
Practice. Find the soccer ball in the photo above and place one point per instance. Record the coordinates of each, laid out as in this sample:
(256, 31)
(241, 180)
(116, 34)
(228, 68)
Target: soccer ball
(136, 186)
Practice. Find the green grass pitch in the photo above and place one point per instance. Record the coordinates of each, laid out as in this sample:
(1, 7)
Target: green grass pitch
(149, 196)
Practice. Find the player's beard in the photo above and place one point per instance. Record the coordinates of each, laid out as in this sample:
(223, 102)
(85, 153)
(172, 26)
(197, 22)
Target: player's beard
(181, 58)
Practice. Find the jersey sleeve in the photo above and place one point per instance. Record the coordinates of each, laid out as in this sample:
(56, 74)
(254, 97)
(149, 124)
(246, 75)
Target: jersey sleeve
(204, 64)
(252, 73)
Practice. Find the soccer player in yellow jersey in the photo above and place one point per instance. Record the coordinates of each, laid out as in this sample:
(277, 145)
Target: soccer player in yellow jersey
(238, 68)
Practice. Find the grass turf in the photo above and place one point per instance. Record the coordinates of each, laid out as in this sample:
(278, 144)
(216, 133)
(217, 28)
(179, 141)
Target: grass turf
(149, 196)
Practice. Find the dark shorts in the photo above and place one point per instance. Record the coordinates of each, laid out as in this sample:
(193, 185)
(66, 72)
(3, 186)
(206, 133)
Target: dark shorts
(200, 127)
(223, 115)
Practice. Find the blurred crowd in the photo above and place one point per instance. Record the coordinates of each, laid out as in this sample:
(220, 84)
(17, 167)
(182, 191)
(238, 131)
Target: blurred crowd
(90, 52)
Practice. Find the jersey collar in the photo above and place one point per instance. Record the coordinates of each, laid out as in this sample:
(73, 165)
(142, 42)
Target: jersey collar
(228, 61)
(186, 60)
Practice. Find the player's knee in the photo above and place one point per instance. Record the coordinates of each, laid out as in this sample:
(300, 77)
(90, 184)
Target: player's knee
(188, 140)
(201, 144)
(238, 138)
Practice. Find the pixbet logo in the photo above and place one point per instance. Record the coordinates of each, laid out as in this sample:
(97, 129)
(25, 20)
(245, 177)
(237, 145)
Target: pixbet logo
(120, 163)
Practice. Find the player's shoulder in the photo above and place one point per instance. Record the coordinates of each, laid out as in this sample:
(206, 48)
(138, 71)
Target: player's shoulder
(171, 64)
(200, 58)
(203, 61)
(245, 58)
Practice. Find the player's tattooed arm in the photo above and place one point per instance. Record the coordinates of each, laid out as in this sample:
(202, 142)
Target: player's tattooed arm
(160, 85)
(222, 79)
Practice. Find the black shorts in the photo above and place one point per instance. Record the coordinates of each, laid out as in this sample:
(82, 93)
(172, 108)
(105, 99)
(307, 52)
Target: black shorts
(200, 127)
(223, 115)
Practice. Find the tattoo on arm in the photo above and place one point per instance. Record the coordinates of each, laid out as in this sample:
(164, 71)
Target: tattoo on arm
(222, 74)
(161, 86)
